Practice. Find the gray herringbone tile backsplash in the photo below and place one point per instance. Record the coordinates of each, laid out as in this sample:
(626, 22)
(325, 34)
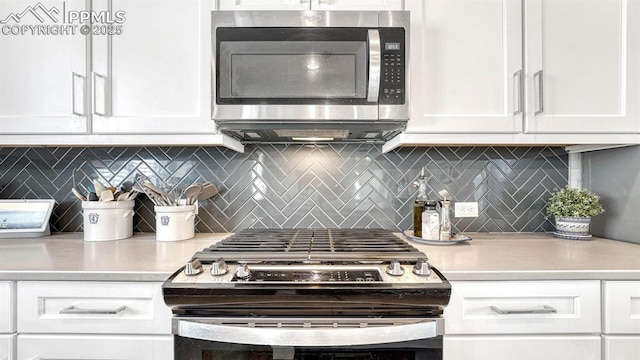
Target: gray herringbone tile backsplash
(273, 186)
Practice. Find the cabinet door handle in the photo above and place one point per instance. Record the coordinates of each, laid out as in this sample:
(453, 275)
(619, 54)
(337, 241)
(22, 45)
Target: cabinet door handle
(545, 309)
(97, 76)
(72, 309)
(540, 77)
(517, 92)
(75, 76)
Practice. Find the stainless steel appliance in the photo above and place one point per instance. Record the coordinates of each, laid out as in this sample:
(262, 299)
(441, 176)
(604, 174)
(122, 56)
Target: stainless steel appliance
(308, 294)
(287, 75)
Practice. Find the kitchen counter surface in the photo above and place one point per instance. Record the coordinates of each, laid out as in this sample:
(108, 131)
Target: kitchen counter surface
(535, 256)
(489, 256)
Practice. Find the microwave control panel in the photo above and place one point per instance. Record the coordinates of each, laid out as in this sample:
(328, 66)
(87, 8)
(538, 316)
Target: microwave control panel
(393, 66)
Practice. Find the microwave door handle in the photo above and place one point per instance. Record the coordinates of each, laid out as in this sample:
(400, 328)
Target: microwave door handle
(374, 65)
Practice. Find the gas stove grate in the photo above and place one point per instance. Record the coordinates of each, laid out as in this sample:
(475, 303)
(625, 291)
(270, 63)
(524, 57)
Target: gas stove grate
(311, 244)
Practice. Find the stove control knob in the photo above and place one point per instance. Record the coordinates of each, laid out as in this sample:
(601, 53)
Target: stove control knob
(394, 268)
(193, 268)
(219, 267)
(422, 267)
(243, 272)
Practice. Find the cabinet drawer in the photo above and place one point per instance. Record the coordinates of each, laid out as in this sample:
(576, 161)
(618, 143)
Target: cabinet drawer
(89, 347)
(622, 307)
(7, 318)
(92, 307)
(523, 307)
(621, 347)
(7, 347)
(522, 347)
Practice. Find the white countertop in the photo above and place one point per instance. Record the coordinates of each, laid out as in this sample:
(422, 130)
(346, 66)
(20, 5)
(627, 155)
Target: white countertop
(535, 256)
(489, 256)
(66, 256)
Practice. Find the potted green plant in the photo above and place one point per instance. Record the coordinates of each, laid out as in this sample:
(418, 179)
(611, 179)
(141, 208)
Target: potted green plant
(573, 209)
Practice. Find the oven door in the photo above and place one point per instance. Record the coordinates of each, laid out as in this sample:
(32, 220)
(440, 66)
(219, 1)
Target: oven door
(285, 338)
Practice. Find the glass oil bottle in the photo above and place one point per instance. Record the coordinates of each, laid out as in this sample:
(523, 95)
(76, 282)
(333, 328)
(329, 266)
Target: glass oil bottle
(418, 204)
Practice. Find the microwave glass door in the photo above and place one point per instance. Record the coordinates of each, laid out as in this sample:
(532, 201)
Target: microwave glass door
(292, 65)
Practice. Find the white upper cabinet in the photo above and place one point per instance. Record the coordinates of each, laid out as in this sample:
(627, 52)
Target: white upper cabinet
(582, 66)
(310, 5)
(264, 4)
(356, 5)
(155, 76)
(466, 66)
(43, 77)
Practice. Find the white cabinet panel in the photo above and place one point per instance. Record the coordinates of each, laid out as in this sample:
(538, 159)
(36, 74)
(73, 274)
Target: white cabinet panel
(155, 76)
(466, 66)
(583, 66)
(522, 347)
(622, 307)
(43, 77)
(474, 307)
(7, 303)
(7, 347)
(362, 5)
(92, 307)
(621, 347)
(264, 4)
(88, 347)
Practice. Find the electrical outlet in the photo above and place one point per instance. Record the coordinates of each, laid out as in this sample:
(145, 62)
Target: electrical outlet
(466, 209)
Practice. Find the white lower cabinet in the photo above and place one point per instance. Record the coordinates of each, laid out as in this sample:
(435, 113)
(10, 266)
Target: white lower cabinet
(92, 320)
(522, 347)
(621, 330)
(621, 347)
(7, 346)
(92, 307)
(622, 307)
(89, 347)
(7, 318)
(523, 320)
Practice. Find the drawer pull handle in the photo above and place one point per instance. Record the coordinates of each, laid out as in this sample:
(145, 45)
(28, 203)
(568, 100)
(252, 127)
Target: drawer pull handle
(545, 309)
(75, 311)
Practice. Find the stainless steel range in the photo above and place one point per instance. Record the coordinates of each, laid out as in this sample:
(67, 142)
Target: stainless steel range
(308, 294)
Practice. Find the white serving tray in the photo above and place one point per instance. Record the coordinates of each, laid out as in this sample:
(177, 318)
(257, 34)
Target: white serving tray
(455, 239)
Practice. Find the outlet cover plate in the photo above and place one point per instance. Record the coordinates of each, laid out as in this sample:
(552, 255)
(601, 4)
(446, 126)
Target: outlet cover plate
(466, 209)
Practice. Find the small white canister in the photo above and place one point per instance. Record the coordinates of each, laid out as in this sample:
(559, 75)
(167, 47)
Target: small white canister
(110, 220)
(175, 223)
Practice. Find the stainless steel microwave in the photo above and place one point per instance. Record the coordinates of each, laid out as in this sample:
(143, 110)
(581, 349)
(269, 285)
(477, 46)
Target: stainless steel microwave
(298, 75)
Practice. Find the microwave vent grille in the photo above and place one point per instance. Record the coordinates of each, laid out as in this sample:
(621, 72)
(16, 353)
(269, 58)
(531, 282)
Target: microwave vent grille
(310, 133)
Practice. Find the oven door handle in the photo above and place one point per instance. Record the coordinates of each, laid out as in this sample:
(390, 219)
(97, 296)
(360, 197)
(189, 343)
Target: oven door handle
(305, 336)
(375, 59)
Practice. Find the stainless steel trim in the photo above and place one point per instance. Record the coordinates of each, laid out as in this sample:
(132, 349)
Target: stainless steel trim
(545, 309)
(75, 75)
(539, 74)
(517, 92)
(94, 104)
(72, 309)
(305, 18)
(374, 65)
(300, 113)
(308, 332)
